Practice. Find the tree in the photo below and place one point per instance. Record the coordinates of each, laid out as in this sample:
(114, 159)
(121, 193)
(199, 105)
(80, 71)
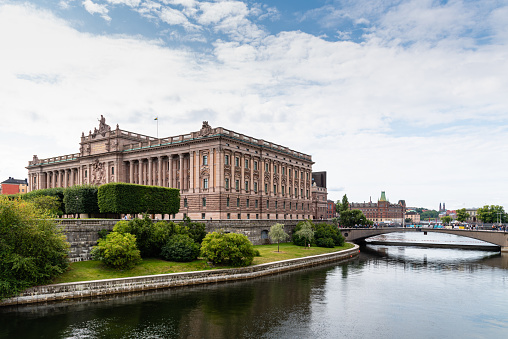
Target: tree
(446, 219)
(80, 199)
(227, 249)
(429, 215)
(491, 214)
(306, 232)
(117, 250)
(408, 220)
(278, 234)
(351, 218)
(462, 215)
(33, 249)
(342, 205)
(327, 235)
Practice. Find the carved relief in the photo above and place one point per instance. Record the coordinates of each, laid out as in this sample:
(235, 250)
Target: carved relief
(256, 175)
(267, 176)
(204, 172)
(98, 173)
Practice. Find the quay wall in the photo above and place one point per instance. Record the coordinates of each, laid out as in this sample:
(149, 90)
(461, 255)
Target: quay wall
(152, 282)
(82, 234)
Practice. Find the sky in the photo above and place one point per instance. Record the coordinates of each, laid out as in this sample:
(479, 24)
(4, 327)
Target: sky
(406, 97)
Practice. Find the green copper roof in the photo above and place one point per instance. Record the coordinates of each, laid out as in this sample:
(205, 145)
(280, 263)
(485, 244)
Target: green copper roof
(383, 196)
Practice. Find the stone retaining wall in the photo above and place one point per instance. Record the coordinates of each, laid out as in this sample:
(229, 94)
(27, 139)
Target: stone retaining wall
(152, 282)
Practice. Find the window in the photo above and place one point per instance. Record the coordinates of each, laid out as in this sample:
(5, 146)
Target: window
(248, 215)
(284, 205)
(290, 172)
(307, 194)
(296, 192)
(246, 186)
(204, 202)
(283, 170)
(266, 167)
(237, 185)
(185, 215)
(266, 188)
(257, 216)
(301, 175)
(283, 190)
(112, 170)
(268, 216)
(226, 183)
(227, 202)
(255, 165)
(237, 202)
(248, 201)
(237, 161)
(267, 204)
(274, 189)
(205, 160)
(274, 168)
(296, 206)
(185, 202)
(275, 204)
(85, 173)
(290, 205)
(255, 187)
(226, 159)
(239, 216)
(203, 216)
(246, 163)
(307, 176)
(228, 216)
(205, 183)
(301, 192)
(256, 204)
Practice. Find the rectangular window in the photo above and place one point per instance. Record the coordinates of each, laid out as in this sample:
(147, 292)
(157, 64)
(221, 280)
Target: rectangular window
(256, 204)
(283, 170)
(266, 167)
(301, 192)
(284, 205)
(246, 163)
(248, 215)
(283, 190)
(204, 202)
(267, 204)
(237, 185)
(257, 216)
(185, 202)
(237, 161)
(274, 189)
(227, 202)
(237, 202)
(239, 216)
(296, 192)
(290, 172)
(185, 215)
(307, 176)
(248, 201)
(301, 175)
(255, 187)
(266, 188)
(268, 216)
(226, 183)
(274, 168)
(205, 160)
(228, 216)
(205, 183)
(203, 216)
(275, 204)
(226, 159)
(86, 173)
(255, 165)
(246, 186)
(112, 170)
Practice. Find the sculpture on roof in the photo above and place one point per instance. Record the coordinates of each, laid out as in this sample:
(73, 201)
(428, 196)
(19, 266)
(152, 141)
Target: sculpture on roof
(103, 127)
(206, 129)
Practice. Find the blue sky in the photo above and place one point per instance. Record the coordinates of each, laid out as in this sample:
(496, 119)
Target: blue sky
(407, 97)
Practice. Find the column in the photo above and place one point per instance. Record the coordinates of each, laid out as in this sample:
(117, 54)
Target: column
(242, 171)
(170, 172)
(72, 176)
(211, 184)
(181, 170)
(131, 171)
(192, 164)
(140, 171)
(159, 171)
(150, 170)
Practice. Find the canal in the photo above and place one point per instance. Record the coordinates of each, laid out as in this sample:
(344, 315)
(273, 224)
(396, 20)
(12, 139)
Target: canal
(387, 292)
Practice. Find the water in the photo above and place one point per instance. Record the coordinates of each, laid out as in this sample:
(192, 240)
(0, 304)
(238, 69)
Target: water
(388, 292)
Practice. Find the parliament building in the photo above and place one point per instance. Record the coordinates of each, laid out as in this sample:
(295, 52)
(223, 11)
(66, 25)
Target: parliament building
(221, 174)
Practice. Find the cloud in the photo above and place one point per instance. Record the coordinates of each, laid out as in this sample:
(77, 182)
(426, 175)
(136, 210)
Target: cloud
(94, 8)
(174, 17)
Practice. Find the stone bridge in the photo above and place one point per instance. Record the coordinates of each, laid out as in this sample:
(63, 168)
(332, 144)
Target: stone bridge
(497, 238)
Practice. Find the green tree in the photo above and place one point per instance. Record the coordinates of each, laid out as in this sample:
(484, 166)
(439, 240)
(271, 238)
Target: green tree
(33, 249)
(327, 235)
(47, 204)
(306, 232)
(278, 234)
(431, 214)
(342, 205)
(446, 219)
(491, 214)
(351, 218)
(80, 199)
(117, 250)
(462, 215)
(227, 249)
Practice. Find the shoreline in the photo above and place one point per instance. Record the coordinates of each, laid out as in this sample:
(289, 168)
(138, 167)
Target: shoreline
(95, 288)
(432, 245)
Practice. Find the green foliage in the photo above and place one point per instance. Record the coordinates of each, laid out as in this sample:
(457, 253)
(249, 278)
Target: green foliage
(297, 239)
(227, 249)
(342, 205)
(196, 230)
(180, 248)
(350, 218)
(278, 234)
(49, 205)
(446, 219)
(492, 214)
(123, 226)
(135, 199)
(324, 231)
(408, 220)
(57, 192)
(432, 214)
(32, 249)
(462, 215)
(117, 250)
(103, 233)
(306, 232)
(81, 199)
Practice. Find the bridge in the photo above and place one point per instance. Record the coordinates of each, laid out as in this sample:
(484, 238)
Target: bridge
(358, 235)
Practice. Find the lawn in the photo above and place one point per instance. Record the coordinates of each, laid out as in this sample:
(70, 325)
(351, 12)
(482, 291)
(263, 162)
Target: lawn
(94, 270)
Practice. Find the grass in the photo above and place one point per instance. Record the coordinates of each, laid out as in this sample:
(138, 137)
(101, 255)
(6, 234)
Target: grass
(95, 270)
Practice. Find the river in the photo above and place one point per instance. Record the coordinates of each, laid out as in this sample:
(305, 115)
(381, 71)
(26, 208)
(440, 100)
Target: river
(387, 292)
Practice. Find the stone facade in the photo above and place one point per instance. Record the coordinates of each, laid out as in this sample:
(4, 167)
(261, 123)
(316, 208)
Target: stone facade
(221, 174)
(382, 211)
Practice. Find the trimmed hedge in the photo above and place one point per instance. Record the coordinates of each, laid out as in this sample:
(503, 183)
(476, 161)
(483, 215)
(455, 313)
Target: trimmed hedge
(81, 199)
(57, 192)
(134, 199)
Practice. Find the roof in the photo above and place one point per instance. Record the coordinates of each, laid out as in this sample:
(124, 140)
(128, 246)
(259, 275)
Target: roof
(13, 181)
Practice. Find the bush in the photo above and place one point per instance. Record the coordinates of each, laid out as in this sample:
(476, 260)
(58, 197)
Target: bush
(227, 249)
(33, 250)
(298, 238)
(122, 226)
(325, 242)
(324, 231)
(103, 233)
(57, 193)
(117, 250)
(196, 230)
(180, 248)
(133, 199)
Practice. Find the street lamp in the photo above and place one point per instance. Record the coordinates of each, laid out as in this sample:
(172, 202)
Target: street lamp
(77, 200)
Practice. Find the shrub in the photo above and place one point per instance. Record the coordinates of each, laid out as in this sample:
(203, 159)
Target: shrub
(122, 226)
(298, 239)
(325, 242)
(196, 230)
(323, 231)
(117, 250)
(32, 249)
(57, 192)
(81, 199)
(103, 233)
(180, 248)
(227, 249)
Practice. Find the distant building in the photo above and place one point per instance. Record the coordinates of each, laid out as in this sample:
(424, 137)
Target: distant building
(382, 211)
(414, 216)
(14, 186)
(319, 196)
(472, 214)
(331, 211)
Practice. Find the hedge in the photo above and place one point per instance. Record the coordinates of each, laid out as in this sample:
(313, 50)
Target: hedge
(134, 199)
(81, 199)
(57, 192)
